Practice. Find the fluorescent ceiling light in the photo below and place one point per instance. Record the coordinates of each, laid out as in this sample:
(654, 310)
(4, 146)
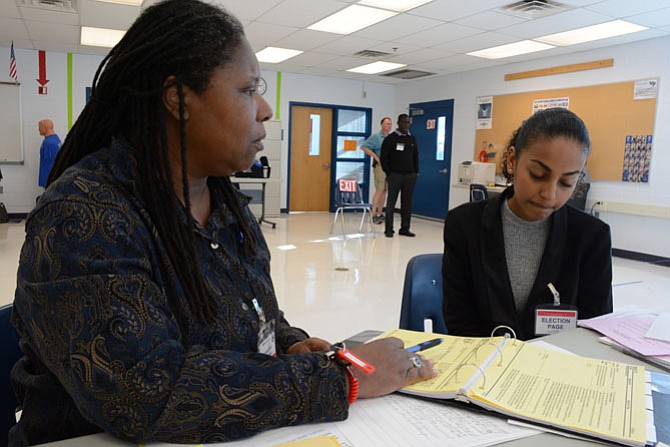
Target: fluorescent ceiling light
(376, 67)
(124, 2)
(350, 19)
(100, 37)
(394, 5)
(594, 32)
(511, 49)
(275, 55)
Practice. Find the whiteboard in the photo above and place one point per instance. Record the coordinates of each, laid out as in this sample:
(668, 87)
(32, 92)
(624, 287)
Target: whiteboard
(11, 143)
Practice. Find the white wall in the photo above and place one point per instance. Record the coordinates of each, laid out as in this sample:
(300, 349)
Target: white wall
(20, 181)
(324, 90)
(650, 58)
(635, 61)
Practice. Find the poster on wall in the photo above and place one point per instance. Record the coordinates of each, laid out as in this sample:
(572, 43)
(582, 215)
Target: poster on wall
(636, 158)
(484, 112)
(550, 103)
(646, 89)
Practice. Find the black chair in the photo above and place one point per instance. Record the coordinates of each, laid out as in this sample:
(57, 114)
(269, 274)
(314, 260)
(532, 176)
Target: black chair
(348, 197)
(478, 192)
(9, 355)
(578, 198)
(422, 294)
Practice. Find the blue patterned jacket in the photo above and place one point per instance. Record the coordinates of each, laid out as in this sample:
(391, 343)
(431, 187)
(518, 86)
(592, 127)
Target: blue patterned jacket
(106, 350)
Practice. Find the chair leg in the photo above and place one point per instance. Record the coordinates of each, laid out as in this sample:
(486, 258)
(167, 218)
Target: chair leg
(360, 225)
(332, 225)
(344, 229)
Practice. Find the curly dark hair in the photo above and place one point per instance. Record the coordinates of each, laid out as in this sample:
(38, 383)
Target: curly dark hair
(548, 123)
(187, 40)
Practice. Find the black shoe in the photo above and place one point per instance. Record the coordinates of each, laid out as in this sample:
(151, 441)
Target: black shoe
(389, 233)
(406, 233)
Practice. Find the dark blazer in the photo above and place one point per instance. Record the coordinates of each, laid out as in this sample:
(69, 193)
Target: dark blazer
(477, 290)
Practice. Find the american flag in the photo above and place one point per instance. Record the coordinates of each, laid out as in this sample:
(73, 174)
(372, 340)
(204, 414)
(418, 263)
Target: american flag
(12, 65)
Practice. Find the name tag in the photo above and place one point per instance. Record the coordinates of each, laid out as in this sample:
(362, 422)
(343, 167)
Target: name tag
(551, 320)
(266, 338)
(400, 146)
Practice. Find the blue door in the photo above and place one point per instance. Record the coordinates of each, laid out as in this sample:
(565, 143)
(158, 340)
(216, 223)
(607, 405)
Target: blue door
(432, 125)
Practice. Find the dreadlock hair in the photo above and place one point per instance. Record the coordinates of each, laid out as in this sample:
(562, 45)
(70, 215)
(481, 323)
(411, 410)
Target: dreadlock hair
(186, 39)
(549, 123)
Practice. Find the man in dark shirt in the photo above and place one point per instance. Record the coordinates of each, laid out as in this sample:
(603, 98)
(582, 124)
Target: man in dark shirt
(400, 162)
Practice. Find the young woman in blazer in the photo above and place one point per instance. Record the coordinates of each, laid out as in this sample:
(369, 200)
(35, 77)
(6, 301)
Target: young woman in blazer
(504, 258)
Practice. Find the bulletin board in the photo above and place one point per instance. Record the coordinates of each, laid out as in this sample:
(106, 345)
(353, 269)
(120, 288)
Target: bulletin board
(11, 143)
(609, 111)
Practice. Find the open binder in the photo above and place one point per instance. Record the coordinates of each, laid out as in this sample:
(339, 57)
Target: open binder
(592, 397)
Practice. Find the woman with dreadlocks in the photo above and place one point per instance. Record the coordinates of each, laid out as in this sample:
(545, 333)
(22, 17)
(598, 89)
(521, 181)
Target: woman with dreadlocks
(144, 301)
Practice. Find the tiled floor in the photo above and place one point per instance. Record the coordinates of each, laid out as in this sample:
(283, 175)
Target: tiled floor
(335, 287)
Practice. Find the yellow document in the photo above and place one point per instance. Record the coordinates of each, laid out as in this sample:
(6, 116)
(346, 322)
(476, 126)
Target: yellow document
(595, 397)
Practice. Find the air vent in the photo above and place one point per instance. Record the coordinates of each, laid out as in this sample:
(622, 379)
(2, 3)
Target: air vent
(533, 9)
(51, 5)
(407, 74)
(371, 54)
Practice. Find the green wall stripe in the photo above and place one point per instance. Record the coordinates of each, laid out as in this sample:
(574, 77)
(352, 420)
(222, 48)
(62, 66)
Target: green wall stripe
(69, 91)
(278, 96)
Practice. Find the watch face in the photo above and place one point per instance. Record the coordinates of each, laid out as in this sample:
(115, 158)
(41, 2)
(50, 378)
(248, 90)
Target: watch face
(262, 86)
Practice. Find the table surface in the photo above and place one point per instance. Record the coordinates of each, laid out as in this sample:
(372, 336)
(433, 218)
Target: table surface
(578, 341)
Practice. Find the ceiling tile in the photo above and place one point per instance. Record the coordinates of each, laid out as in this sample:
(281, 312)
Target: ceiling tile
(348, 45)
(397, 27)
(441, 34)
(490, 20)
(261, 35)
(556, 23)
(478, 42)
(44, 15)
(312, 58)
(9, 9)
(455, 9)
(306, 39)
(624, 8)
(248, 10)
(657, 18)
(12, 29)
(433, 37)
(107, 15)
(52, 32)
(301, 13)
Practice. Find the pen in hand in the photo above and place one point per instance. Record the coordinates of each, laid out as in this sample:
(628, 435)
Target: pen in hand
(425, 345)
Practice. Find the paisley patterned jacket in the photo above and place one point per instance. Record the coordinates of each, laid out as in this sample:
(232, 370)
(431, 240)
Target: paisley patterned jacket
(107, 349)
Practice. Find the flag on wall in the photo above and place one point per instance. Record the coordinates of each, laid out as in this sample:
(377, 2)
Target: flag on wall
(12, 65)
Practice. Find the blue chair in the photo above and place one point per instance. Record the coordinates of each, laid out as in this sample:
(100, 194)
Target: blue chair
(348, 197)
(9, 355)
(422, 294)
(478, 192)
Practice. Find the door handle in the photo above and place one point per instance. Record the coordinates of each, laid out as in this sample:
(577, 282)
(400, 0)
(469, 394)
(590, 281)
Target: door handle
(444, 171)
(326, 166)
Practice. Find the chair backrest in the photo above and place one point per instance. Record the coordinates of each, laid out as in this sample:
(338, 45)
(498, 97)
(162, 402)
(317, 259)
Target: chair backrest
(478, 192)
(348, 192)
(422, 294)
(9, 355)
(578, 198)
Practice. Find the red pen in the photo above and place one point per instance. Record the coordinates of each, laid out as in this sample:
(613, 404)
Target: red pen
(345, 355)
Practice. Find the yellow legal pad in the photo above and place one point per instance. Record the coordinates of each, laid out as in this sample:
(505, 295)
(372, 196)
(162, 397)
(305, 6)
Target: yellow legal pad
(594, 397)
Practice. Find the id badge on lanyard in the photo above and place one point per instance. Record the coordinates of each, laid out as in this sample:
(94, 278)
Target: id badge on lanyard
(556, 317)
(266, 332)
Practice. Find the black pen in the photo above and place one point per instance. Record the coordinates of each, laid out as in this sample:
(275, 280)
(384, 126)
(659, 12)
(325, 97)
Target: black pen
(425, 345)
